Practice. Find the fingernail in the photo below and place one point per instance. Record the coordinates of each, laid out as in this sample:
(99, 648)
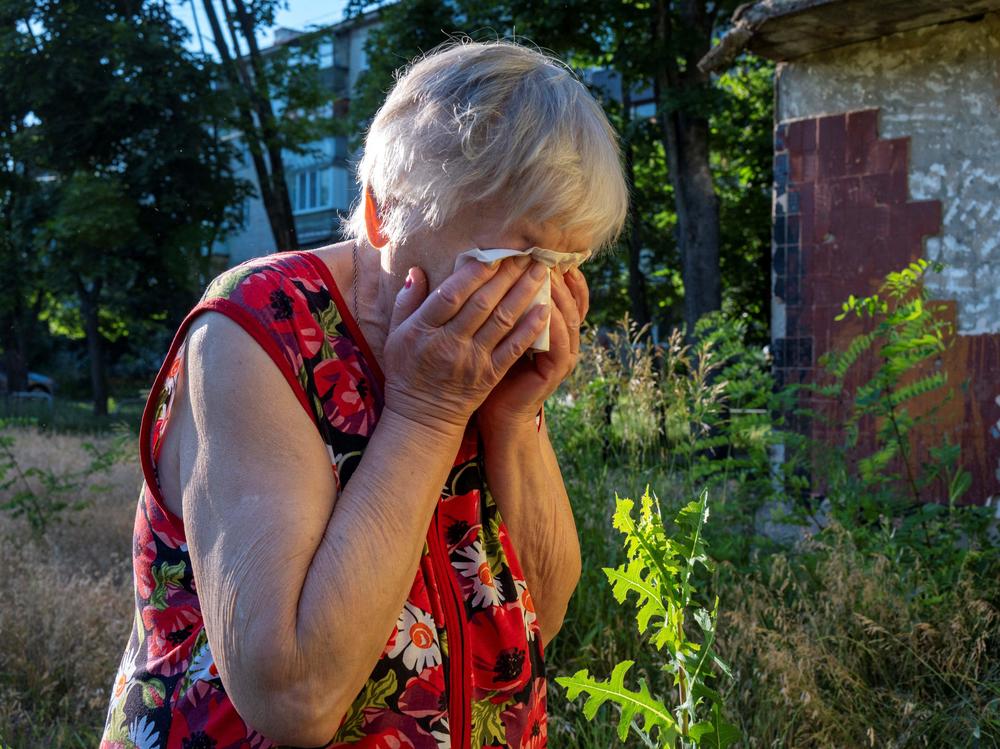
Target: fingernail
(538, 271)
(521, 261)
(409, 279)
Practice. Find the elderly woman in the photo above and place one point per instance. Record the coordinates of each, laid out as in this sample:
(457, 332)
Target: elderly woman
(353, 529)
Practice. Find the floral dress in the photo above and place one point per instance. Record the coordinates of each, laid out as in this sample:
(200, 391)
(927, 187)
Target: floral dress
(463, 667)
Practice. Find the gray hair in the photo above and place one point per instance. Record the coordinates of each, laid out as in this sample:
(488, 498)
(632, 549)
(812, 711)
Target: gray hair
(470, 121)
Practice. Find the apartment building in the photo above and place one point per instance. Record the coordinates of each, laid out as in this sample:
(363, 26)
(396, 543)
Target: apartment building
(320, 182)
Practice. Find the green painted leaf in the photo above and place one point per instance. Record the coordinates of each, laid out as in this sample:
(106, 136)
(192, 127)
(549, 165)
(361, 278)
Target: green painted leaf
(154, 692)
(374, 694)
(487, 727)
(164, 576)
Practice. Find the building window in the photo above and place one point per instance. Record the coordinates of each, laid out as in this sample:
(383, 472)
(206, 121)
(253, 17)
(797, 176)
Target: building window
(326, 54)
(644, 110)
(311, 190)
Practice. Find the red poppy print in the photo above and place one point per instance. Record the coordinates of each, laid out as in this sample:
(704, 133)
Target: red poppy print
(500, 661)
(168, 631)
(424, 695)
(346, 394)
(529, 721)
(143, 555)
(206, 718)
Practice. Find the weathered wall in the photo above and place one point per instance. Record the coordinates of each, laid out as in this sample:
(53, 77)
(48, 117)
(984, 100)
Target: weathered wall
(885, 152)
(940, 86)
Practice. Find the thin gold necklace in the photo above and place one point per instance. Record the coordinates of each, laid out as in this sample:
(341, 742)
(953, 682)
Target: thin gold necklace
(357, 316)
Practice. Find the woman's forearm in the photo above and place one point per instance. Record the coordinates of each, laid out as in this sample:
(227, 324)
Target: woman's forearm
(526, 483)
(365, 563)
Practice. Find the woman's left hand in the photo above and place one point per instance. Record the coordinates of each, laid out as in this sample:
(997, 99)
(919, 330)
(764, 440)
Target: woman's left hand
(517, 398)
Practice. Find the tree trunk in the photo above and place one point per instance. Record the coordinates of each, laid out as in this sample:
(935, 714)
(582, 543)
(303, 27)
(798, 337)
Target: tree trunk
(685, 133)
(260, 96)
(13, 336)
(639, 304)
(95, 346)
(281, 222)
(14, 359)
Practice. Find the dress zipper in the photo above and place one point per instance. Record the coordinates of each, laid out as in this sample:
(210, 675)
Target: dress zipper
(459, 657)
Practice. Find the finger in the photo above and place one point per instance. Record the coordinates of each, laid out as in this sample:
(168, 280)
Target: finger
(519, 339)
(409, 298)
(555, 362)
(481, 304)
(577, 283)
(511, 307)
(444, 302)
(563, 299)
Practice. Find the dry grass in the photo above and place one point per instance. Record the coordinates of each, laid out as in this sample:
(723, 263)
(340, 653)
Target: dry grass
(67, 602)
(832, 648)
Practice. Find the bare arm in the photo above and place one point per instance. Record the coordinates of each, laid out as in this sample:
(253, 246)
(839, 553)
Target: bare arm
(300, 587)
(259, 496)
(521, 466)
(526, 482)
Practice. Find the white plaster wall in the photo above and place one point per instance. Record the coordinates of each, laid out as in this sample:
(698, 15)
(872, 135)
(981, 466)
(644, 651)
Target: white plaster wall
(940, 85)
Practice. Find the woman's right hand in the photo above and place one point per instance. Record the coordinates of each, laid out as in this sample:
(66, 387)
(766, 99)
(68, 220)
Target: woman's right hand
(448, 349)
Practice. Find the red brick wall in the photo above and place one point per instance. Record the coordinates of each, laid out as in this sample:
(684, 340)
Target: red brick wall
(842, 221)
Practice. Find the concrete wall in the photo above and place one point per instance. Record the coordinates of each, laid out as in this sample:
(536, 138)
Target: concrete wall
(887, 151)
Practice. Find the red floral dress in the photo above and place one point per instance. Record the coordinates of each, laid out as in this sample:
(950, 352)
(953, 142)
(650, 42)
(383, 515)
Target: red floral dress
(464, 665)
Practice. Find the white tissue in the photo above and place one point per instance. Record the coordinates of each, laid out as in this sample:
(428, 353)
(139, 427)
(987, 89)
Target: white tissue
(562, 261)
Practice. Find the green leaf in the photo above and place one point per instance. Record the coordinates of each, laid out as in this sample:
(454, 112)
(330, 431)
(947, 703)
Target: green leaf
(375, 694)
(715, 733)
(165, 575)
(628, 579)
(655, 714)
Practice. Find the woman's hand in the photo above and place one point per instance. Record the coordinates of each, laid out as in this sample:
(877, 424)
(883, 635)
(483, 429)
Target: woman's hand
(516, 400)
(448, 349)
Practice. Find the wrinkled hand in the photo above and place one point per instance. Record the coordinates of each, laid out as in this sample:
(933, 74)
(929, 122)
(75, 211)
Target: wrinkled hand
(448, 349)
(517, 398)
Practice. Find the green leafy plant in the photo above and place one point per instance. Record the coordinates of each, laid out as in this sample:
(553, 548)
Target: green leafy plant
(659, 571)
(896, 492)
(41, 495)
(908, 333)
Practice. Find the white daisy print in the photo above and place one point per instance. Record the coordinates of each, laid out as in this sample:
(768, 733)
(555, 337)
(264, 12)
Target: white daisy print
(126, 669)
(417, 639)
(442, 734)
(528, 606)
(485, 590)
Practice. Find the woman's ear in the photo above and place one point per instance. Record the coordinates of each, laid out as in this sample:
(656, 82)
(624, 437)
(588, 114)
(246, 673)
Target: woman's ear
(373, 221)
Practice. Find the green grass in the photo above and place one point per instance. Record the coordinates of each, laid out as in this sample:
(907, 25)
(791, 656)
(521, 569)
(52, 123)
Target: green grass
(72, 416)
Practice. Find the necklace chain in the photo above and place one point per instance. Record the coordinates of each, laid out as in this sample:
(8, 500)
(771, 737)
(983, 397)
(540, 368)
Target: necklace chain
(357, 317)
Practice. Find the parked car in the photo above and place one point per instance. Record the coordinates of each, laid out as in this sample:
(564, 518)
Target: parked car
(39, 385)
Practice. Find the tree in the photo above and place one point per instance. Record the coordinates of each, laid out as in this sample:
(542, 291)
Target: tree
(257, 122)
(280, 98)
(19, 204)
(115, 122)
